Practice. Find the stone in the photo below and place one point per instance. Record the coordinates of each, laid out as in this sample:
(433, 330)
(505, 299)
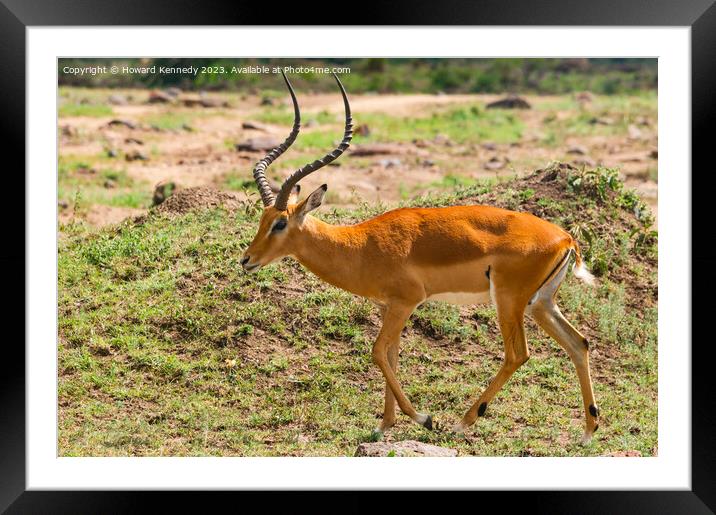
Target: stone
(510, 102)
(403, 449)
(122, 123)
(163, 191)
(117, 100)
(362, 130)
(375, 149)
(495, 163)
(254, 126)
(262, 144)
(135, 155)
(159, 97)
(389, 163)
(577, 149)
(634, 132)
(173, 91)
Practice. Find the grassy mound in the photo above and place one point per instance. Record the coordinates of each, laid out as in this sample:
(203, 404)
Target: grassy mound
(167, 348)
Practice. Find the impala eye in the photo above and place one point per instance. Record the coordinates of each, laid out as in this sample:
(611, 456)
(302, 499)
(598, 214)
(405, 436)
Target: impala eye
(279, 226)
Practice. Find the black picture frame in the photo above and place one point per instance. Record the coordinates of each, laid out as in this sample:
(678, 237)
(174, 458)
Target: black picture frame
(699, 15)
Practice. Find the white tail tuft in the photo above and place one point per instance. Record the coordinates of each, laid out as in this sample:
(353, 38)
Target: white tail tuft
(581, 273)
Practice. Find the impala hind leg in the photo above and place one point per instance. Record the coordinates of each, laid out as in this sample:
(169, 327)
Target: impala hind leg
(393, 322)
(511, 320)
(389, 409)
(549, 317)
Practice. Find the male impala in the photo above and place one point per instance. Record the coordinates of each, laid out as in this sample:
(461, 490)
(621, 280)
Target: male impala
(402, 258)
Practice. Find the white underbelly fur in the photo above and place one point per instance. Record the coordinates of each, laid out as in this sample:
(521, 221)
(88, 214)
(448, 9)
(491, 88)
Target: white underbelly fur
(462, 298)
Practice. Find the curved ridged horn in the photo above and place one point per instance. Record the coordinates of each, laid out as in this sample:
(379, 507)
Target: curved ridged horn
(261, 166)
(292, 180)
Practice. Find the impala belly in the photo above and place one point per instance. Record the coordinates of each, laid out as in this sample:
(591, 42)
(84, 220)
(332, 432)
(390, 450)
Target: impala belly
(463, 284)
(462, 298)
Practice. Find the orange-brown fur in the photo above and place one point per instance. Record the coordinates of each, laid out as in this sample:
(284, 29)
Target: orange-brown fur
(413, 253)
(401, 258)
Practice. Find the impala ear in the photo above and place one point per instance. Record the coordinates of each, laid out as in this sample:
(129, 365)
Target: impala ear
(293, 197)
(312, 202)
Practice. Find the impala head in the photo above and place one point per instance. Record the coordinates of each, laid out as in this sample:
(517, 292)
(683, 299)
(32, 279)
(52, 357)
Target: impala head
(283, 215)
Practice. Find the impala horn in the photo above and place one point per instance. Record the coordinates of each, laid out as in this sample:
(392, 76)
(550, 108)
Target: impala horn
(283, 195)
(261, 166)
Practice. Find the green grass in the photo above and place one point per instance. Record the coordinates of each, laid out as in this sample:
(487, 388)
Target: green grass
(170, 120)
(464, 124)
(167, 348)
(620, 111)
(86, 181)
(88, 110)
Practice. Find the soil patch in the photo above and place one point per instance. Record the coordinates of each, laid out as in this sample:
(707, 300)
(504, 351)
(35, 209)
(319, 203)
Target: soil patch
(198, 198)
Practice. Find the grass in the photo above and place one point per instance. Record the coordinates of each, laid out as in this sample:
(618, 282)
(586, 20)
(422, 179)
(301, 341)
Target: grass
(87, 110)
(618, 111)
(84, 181)
(170, 120)
(166, 348)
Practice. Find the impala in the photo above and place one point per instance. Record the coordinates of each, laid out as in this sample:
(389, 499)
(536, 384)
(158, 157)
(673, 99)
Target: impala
(402, 258)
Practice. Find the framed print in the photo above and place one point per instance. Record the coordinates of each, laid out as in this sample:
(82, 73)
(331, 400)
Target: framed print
(234, 234)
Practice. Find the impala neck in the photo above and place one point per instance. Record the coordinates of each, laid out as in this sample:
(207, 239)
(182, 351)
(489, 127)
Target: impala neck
(329, 251)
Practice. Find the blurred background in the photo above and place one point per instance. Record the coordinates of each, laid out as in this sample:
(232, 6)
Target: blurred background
(128, 140)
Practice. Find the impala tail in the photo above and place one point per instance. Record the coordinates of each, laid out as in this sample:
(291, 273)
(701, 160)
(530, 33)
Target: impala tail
(580, 269)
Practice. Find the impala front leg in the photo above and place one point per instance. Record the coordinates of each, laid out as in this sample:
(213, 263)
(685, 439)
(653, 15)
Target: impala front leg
(393, 323)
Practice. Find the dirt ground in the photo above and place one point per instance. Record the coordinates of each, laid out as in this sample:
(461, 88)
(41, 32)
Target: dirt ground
(202, 153)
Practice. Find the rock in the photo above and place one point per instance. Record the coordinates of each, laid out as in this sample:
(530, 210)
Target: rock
(362, 130)
(267, 101)
(603, 120)
(159, 97)
(584, 162)
(213, 102)
(262, 144)
(403, 449)
(634, 132)
(442, 139)
(63, 204)
(173, 91)
(84, 170)
(133, 141)
(110, 184)
(117, 100)
(389, 163)
(427, 162)
(136, 155)
(489, 146)
(163, 191)
(375, 149)
(191, 101)
(621, 454)
(122, 123)
(68, 131)
(510, 102)
(577, 149)
(111, 152)
(495, 163)
(420, 143)
(583, 97)
(187, 127)
(254, 126)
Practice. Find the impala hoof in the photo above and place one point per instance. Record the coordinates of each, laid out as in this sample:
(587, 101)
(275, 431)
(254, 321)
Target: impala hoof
(376, 435)
(586, 439)
(425, 420)
(459, 429)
